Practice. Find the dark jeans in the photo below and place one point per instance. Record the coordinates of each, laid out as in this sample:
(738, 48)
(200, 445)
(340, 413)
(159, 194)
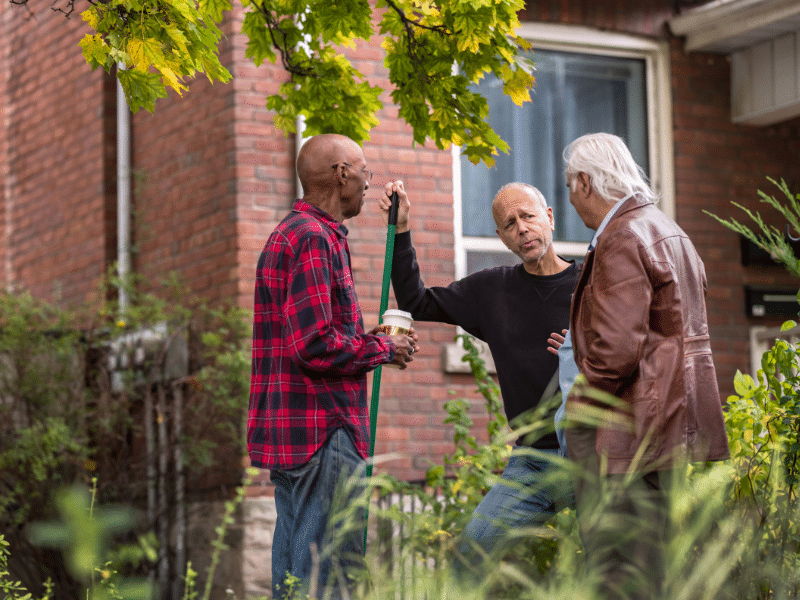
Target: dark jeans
(532, 489)
(622, 521)
(314, 504)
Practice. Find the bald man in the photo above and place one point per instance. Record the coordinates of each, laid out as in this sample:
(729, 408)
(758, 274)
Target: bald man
(513, 310)
(308, 417)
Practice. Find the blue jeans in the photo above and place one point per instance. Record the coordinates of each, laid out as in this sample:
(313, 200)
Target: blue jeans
(311, 500)
(531, 490)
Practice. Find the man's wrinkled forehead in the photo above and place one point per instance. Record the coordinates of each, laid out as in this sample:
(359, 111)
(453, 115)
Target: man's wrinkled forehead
(513, 199)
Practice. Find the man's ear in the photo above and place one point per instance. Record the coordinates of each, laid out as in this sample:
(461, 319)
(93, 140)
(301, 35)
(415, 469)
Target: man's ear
(341, 174)
(584, 182)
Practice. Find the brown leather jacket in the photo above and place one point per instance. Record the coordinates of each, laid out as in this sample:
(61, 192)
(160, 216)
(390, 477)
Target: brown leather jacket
(640, 332)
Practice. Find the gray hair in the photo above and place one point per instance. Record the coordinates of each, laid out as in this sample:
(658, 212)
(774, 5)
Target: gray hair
(609, 164)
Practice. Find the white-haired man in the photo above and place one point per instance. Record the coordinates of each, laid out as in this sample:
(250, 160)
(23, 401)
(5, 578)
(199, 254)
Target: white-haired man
(639, 333)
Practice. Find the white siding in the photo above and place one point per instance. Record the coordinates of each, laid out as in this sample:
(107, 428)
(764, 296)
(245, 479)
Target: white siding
(765, 81)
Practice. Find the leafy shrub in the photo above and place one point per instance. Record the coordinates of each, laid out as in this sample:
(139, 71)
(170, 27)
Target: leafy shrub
(763, 421)
(148, 403)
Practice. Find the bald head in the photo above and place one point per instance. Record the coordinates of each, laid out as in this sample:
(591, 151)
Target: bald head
(511, 192)
(334, 175)
(318, 156)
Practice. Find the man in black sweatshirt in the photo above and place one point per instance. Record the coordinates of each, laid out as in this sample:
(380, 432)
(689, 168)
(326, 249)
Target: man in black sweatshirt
(514, 310)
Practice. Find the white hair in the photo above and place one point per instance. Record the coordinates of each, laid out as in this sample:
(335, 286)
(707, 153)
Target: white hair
(610, 166)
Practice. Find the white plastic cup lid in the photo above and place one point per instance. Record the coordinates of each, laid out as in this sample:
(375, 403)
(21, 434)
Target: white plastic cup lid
(397, 317)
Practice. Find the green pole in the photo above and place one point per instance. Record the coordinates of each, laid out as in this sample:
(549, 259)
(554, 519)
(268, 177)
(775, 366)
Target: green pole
(376, 377)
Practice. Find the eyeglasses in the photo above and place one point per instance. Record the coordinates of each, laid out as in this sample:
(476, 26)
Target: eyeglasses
(365, 172)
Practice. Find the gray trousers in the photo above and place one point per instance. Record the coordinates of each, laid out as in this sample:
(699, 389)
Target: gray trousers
(622, 522)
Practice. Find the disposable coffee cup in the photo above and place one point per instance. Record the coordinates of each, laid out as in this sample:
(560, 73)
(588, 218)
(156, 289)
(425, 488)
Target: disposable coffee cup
(396, 322)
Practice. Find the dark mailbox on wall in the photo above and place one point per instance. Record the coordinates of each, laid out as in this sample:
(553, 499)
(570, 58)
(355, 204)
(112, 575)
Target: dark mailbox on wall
(771, 302)
(753, 256)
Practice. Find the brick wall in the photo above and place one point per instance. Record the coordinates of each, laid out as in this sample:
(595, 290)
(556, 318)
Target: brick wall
(184, 174)
(645, 17)
(58, 172)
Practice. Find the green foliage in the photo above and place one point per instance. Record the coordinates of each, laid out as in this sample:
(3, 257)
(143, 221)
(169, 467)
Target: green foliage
(457, 486)
(763, 421)
(435, 53)
(38, 446)
(14, 590)
(768, 238)
(190, 583)
(84, 532)
(219, 544)
(158, 42)
(292, 588)
(72, 389)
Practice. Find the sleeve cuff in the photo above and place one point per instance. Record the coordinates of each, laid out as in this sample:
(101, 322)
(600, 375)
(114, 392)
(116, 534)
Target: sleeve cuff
(402, 241)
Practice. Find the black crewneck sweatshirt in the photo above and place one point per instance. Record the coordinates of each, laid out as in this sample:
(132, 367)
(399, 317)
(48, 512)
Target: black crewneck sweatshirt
(511, 310)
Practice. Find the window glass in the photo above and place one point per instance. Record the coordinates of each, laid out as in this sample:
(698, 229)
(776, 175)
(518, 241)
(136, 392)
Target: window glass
(574, 94)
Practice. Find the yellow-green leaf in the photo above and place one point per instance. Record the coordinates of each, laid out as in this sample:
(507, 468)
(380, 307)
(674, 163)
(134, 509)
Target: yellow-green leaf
(141, 51)
(90, 16)
(214, 8)
(177, 37)
(95, 50)
(518, 86)
(172, 80)
(742, 383)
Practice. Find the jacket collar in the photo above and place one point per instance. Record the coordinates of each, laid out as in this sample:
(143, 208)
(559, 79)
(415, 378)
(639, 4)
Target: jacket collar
(625, 205)
(630, 203)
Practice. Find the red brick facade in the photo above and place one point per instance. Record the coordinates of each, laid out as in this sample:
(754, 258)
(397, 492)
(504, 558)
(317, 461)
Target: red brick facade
(58, 157)
(212, 177)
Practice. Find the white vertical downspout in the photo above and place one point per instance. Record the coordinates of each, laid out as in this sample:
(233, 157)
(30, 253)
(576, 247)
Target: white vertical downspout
(300, 120)
(300, 139)
(123, 194)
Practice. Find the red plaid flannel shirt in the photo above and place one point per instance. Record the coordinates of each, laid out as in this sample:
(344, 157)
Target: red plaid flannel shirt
(310, 352)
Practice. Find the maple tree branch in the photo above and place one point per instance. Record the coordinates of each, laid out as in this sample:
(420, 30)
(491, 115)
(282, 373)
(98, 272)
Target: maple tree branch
(278, 37)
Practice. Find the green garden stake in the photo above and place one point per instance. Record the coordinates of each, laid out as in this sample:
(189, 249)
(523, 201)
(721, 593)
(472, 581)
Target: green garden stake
(376, 377)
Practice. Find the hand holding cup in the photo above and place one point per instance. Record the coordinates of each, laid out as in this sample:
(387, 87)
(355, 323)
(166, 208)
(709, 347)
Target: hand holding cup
(397, 325)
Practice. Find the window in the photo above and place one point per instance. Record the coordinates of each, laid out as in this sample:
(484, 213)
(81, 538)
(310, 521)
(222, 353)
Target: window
(586, 81)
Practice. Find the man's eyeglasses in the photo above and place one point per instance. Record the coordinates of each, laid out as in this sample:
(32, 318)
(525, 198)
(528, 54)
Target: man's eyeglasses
(365, 172)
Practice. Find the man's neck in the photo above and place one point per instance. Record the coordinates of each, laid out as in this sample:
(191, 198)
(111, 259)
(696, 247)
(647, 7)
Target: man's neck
(330, 205)
(549, 264)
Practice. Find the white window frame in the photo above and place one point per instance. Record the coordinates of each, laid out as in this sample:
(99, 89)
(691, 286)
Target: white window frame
(585, 40)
